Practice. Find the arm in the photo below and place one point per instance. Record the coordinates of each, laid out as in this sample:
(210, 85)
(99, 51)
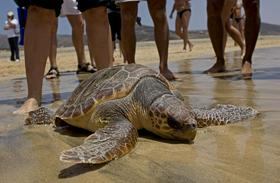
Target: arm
(9, 25)
(6, 27)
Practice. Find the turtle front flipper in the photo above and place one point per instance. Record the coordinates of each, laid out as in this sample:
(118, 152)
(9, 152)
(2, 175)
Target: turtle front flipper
(109, 143)
(223, 114)
(40, 116)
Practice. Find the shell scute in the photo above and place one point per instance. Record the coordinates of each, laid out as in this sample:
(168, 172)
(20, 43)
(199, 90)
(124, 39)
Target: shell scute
(110, 83)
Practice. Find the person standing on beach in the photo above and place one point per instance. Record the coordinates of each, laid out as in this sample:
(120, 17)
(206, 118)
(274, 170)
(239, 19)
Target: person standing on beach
(218, 12)
(183, 8)
(157, 10)
(41, 18)
(239, 18)
(235, 34)
(75, 18)
(114, 15)
(12, 31)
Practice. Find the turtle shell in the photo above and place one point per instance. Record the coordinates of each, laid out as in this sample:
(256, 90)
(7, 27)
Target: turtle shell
(110, 83)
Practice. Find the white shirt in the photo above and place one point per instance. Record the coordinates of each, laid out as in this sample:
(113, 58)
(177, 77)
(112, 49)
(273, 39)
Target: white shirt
(12, 32)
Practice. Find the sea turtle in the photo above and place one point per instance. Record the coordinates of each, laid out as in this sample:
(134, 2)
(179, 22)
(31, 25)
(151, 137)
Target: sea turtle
(115, 102)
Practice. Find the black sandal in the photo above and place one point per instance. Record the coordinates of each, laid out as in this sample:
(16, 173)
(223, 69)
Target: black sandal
(85, 68)
(52, 73)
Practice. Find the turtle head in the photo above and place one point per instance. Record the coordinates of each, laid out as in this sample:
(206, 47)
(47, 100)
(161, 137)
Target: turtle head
(172, 119)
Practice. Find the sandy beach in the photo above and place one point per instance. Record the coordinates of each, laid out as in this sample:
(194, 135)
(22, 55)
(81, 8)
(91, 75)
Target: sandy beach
(248, 151)
(146, 54)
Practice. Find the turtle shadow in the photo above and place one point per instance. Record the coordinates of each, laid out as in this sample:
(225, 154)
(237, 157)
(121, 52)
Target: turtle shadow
(151, 136)
(79, 169)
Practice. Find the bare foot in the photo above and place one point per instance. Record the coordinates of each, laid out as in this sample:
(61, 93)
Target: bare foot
(246, 70)
(216, 68)
(168, 74)
(30, 104)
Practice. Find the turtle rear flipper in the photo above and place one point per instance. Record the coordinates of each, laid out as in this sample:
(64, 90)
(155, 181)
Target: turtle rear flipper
(111, 142)
(223, 114)
(40, 116)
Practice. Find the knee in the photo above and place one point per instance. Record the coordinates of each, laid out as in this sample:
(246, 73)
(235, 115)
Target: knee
(78, 27)
(159, 16)
(178, 32)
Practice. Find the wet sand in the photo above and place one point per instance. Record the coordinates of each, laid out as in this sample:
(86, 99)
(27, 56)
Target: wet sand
(248, 151)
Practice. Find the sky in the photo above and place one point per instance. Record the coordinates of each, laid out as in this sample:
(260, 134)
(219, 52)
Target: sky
(269, 13)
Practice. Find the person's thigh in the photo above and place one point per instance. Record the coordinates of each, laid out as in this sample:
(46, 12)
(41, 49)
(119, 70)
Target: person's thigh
(185, 19)
(76, 21)
(157, 4)
(214, 7)
(228, 5)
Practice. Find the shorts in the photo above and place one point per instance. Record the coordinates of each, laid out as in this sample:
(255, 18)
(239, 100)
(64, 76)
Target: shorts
(69, 7)
(115, 24)
(48, 4)
(124, 1)
(84, 5)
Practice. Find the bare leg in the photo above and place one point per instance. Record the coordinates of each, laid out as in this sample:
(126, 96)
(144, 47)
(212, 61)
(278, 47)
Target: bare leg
(128, 16)
(185, 24)
(99, 36)
(39, 22)
(252, 27)
(215, 29)
(178, 30)
(121, 51)
(161, 31)
(77, 24)
(236, 35)
(53, 49)
(240, 26)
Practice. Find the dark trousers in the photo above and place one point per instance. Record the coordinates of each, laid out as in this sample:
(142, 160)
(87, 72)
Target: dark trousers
(13, 42)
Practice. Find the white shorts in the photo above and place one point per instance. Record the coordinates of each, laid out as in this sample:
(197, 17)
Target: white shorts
(69, 7)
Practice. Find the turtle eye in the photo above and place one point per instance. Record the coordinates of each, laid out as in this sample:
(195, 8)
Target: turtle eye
(173, 123)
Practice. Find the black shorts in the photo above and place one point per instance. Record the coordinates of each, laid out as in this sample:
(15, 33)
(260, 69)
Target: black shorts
(48, 4)
(84, 5)
(115, 24)
(56, 4)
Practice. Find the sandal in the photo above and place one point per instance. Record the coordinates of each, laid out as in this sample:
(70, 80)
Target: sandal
(85, 68)
(52, 73)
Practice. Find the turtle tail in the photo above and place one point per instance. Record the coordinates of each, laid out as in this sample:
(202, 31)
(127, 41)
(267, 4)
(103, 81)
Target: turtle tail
(223, 114)
(40, 116)
(112, 142)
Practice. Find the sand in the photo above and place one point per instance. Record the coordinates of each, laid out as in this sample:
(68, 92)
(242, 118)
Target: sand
(146, 54)
(243, 152)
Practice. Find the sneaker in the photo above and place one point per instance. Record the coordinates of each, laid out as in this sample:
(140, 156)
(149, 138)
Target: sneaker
(86, 68)
(52, 73)
(17, 60)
